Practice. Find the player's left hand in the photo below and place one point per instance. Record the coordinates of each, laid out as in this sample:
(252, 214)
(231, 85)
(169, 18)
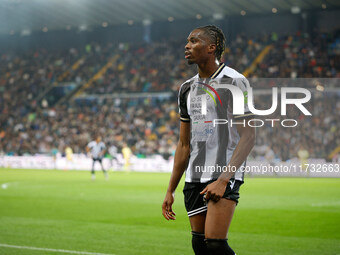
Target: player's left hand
(215, 190)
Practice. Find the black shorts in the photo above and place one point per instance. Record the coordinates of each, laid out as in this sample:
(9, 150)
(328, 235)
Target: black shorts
(97, 159)
(194, 202)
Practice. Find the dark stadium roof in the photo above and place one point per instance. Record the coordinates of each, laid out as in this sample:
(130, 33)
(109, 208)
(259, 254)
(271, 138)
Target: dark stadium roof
(33, 15)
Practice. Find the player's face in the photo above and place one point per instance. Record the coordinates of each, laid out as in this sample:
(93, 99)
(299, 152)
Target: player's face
(197, 49)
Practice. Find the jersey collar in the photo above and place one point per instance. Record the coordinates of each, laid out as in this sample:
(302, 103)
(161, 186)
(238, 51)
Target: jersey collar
(217, 72)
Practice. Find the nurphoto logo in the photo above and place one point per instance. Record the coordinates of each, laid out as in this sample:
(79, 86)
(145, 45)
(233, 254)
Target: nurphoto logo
(241, 100)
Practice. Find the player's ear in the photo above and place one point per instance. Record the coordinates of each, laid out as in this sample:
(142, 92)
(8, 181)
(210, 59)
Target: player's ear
(211, 48)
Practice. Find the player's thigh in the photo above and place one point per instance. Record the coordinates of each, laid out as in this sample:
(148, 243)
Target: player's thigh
(195, 205)
(218, 218)
(197, 222)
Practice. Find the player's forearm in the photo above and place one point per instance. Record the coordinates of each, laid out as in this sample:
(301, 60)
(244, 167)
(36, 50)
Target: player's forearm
(240, 154)
(180, 164)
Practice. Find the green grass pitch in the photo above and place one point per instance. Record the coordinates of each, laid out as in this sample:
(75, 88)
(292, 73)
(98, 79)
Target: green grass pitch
(122, 216)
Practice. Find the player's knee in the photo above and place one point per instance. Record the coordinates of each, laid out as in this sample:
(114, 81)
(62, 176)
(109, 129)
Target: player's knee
(218, 247)
(198, 243)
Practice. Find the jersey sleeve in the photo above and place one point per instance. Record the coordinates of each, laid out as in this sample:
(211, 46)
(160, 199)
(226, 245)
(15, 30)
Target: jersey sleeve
(90, 144)
(182, 102)
(243, 84)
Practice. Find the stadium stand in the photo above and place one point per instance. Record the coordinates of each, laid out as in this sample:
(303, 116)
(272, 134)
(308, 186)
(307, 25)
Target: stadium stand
(150, 125)
(302, 55)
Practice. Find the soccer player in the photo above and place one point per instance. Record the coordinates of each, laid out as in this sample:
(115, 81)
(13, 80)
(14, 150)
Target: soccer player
(210, 196)
(54, 153)
(127, 153)
(97, 148)
(303, 155)
(113, 151)
(270, 158)
(69, 157)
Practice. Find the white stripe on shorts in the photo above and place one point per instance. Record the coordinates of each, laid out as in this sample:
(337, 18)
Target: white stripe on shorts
(197, 211)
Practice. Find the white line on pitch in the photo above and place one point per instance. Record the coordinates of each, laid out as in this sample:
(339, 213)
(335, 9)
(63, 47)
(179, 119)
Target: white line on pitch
(52, 250)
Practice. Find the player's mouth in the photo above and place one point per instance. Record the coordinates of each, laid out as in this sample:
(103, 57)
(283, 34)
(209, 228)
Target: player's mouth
(187, 54)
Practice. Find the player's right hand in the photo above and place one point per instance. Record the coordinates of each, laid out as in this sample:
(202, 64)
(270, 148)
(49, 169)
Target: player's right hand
(167, 206)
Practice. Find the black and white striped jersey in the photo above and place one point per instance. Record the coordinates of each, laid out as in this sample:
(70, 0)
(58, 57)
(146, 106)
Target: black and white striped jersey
(204, 103)
(96, 149)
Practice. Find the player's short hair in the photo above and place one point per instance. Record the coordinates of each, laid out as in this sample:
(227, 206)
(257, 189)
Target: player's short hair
(216, 35)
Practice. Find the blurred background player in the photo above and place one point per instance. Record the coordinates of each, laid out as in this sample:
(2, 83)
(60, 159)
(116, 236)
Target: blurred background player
(303, 155)
(113, 153)
(69, 157)
(54, 153)
(126, 155)
(270, 158)
(97, 148)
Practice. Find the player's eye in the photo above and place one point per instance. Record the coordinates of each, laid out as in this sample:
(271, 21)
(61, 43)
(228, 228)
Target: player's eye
(192, 40)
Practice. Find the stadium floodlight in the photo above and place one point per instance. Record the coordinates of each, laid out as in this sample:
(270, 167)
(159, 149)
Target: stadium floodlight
(295, 10)
(218, 16)
(83, 27)
(26, 32)
(146, 22)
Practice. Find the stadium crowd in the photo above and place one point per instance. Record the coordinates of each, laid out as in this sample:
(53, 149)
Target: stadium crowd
(319, 133)
(150, 125)
(160, 66)
(23, 76)
(302, 56)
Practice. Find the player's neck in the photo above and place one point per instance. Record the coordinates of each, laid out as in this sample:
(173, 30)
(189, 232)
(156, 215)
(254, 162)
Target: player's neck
(207, 69)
